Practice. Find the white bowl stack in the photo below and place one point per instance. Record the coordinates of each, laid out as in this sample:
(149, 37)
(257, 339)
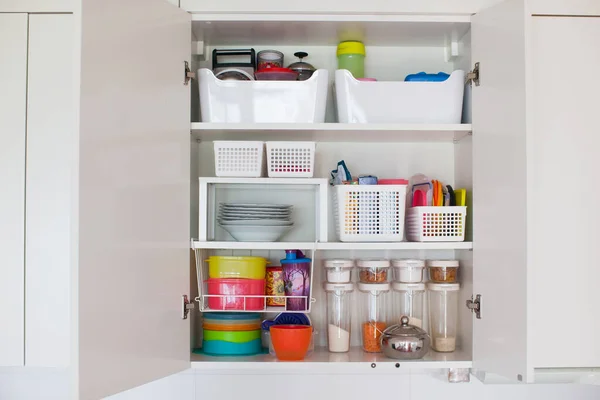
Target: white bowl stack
(249, 222)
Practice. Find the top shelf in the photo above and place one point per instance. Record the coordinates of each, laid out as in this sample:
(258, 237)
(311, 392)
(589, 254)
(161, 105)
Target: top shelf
(327, 29)
(332, 132)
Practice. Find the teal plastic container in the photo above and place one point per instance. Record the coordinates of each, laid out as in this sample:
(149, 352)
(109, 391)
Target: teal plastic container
(351, 56)
(222, 348)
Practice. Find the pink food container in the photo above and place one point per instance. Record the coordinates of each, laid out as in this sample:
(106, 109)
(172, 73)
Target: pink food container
(232, 294)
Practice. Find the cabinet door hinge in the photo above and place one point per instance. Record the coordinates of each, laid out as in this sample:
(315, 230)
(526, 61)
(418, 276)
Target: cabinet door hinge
(186, 306)
(473, 76)
(475, 305)
(189, 75)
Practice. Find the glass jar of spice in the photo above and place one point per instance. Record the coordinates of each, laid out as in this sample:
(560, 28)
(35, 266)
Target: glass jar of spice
(373, 271)
(373, 315)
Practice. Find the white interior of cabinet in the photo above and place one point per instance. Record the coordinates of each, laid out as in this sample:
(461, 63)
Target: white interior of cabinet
(394, 50)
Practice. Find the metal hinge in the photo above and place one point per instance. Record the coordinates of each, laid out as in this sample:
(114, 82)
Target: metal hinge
(186, 306)
(189, 75)
(475, 305)
(473, 76)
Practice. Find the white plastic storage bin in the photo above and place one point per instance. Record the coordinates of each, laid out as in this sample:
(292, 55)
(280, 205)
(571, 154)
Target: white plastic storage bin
(239, 159)
(370, 213)
(263, 101)
(399, 102)
(436, 224)
(291, 159)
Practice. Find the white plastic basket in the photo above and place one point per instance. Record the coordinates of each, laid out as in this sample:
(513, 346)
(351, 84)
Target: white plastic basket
(399, 102)
(239, 159)
(436, 224)
(370, 213)
(291, 159)
(263, 101)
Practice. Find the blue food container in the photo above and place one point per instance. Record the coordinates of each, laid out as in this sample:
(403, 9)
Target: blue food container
(424, 77)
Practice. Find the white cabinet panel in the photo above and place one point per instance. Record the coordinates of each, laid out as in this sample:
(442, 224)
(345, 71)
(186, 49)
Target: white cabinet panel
(565, 7)
(564, 243)
(37, 6)
(337, 6)
(13, 97)
(51, 151)
(500, 181)
(134, 178)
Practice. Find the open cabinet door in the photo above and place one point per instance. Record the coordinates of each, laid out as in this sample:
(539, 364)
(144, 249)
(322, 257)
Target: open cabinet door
(500, 182)
(134, 195)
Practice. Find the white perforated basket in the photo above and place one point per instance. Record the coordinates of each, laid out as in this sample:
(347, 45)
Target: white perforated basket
(239, 159)
(291, 159)
(370, 213)
(436, 224)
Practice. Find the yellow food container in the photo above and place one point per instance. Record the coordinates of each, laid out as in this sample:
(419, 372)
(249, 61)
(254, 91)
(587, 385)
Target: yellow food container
(237, 267)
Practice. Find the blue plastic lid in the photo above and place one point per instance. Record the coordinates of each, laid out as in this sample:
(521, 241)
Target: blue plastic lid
(231, 316)
(286, 319)
(294, 257)
(424, 77)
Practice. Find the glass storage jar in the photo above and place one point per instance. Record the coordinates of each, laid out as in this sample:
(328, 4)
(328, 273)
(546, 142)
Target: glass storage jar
(373, 314)
(408, 271)
(339, 311)
(373, 271)
(338, 271)
(443, 271)
(408, 301)
(443, 315)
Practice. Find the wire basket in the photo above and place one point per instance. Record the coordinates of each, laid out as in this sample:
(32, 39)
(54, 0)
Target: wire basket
(436, 224)
(239, 159)
(291, 159)
(370, 213)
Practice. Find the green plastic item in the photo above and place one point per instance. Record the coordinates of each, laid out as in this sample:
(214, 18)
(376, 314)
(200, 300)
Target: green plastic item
(233, 336)
(351, 56)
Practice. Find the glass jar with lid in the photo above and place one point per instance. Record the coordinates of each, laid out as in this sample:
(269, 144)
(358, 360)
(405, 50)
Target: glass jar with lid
(373, 270)
(338, 271)
(408, 300)
(373, 314)
(339, 307)
(443, 315)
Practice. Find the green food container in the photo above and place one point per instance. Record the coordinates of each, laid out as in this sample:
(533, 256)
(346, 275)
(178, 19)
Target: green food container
(351, 56)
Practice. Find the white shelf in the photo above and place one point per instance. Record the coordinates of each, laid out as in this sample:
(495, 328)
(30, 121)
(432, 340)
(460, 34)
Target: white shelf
(332, 132)
(256, 30)
(324, 362)
(196, 245)
(266, 181)
(395, 246)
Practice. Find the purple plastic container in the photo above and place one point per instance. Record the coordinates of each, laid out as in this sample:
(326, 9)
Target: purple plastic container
(296, 279)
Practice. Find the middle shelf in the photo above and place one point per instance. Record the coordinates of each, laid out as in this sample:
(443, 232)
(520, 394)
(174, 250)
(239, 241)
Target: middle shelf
(332, 132)
(224, 245)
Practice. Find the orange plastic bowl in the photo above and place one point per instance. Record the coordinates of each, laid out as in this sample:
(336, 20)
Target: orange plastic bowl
(291, 342)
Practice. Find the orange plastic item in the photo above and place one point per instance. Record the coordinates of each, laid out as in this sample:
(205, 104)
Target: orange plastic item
(291, 341)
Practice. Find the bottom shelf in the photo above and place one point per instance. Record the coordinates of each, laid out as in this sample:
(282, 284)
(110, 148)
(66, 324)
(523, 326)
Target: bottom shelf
(324, 362)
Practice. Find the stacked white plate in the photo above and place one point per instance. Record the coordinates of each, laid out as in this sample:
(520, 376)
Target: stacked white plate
(250, 222)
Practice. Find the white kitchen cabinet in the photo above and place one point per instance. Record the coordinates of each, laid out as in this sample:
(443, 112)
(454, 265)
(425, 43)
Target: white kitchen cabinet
(130, 213)
(51, 138)
(13, 108)
(39, 137)
(564, 130)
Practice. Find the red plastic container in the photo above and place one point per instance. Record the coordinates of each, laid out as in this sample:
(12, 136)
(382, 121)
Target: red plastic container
(234, 291)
